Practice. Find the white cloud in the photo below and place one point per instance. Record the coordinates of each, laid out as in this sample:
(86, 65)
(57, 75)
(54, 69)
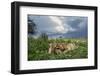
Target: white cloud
(62, 26)
(59, 25)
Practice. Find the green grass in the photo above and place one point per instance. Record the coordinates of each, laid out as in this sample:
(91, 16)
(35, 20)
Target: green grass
(38, 49)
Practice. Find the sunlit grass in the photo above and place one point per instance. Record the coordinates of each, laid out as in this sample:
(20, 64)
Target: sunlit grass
(38, 49)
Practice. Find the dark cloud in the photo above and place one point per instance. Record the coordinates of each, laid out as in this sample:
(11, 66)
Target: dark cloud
(74, 26)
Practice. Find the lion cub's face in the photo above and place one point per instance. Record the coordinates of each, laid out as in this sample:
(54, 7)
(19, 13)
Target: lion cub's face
(61, 47)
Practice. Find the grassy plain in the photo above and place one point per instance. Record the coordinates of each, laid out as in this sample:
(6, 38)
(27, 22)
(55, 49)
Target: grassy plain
(38, 49)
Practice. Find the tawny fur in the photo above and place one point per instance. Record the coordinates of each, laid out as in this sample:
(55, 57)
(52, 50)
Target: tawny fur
(61, 47)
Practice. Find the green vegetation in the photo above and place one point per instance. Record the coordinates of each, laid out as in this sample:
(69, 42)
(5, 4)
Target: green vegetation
(38, 49)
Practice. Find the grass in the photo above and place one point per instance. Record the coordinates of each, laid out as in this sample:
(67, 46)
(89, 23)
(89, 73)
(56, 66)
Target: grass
(38, 49)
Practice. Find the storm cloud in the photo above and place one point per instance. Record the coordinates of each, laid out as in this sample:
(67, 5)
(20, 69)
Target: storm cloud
(66, 26)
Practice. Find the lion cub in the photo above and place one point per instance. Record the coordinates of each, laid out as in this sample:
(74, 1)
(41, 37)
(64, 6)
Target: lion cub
(61, 47)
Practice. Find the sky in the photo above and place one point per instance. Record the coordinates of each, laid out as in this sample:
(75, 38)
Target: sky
(64, 26)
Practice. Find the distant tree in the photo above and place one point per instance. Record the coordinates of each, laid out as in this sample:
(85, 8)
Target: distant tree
(44, 36)
(60, 37)
(31, 26)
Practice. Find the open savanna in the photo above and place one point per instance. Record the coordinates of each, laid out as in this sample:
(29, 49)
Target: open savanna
(38, 49)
